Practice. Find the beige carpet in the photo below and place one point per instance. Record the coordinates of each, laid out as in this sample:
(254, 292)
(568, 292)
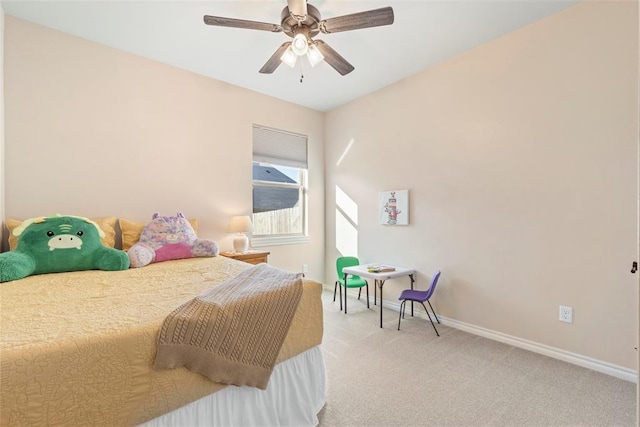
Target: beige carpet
(386, 377)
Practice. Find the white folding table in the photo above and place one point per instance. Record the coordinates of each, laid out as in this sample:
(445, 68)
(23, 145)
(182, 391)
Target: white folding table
(363, 271)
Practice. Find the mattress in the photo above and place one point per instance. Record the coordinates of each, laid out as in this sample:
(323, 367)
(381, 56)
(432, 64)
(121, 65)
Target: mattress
(78, 348)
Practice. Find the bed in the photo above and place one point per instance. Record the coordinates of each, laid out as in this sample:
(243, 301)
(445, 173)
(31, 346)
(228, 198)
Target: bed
(78, 348)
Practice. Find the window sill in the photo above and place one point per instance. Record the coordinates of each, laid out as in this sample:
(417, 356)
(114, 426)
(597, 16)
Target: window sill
(258, 242)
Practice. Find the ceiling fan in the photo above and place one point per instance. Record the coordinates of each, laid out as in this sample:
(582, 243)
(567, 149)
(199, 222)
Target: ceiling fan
(302, 21)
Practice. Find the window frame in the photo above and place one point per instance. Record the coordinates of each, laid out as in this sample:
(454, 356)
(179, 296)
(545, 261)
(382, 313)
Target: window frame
(261, 240)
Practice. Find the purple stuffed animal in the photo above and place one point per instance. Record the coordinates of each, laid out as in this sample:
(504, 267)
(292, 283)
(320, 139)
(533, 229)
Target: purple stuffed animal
(169, 237)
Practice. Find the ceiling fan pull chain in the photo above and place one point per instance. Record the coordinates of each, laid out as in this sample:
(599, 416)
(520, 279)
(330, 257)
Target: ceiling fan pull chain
(301, 71)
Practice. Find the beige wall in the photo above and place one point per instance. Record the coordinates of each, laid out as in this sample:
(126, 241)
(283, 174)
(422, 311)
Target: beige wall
(1, 125)
(94, 131)
(521, 161)
(520, 158)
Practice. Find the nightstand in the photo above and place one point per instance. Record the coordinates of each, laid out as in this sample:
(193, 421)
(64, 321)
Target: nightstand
(252, 257)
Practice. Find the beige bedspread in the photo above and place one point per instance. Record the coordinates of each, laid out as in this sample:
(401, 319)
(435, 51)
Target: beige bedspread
(78, 348)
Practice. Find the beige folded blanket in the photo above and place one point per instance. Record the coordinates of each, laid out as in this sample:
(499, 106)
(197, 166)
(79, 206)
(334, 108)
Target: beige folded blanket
(232, 333)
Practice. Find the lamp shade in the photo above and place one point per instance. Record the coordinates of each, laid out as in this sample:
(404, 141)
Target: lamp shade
(300, 45)
(289, 58)
(240, 224)
(314, 55)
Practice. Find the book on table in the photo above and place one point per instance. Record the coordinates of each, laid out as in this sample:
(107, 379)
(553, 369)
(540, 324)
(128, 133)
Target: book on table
(380, 268)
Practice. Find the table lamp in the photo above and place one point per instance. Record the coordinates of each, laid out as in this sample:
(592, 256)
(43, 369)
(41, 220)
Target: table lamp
(240, 224)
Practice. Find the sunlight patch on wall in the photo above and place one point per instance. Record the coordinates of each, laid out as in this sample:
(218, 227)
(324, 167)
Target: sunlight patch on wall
(346, 224)
(346, 236)
(347, 205)
(344, 153)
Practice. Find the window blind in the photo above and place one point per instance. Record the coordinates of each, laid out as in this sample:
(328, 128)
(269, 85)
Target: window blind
(279, 147)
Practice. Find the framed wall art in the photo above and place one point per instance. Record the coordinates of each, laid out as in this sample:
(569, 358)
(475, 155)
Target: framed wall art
(394, 207)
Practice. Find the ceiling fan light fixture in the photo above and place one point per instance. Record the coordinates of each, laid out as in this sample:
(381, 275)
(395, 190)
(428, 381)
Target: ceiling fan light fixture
(300, 45)
(289, 58)
(314, 55)
(302, 22)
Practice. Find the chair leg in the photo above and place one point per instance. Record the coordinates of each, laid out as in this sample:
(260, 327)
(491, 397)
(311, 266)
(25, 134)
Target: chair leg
(335, 289)
(400, 313)
(345, 296)
(434, 326)
(434, 312)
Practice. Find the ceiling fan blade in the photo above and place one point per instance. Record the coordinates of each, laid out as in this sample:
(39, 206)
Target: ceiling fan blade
(241, 23)
(273, 62)
(333, 58)
(297, 8)
(355, 21)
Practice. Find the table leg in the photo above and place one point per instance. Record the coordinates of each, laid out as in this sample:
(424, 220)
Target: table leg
(375, 291)
(381, 284)
(345, 294)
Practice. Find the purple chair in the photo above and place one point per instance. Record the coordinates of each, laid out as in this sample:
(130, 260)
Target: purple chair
(420, 296)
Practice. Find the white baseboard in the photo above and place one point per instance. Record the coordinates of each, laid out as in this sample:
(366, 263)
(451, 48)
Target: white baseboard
(556, 353)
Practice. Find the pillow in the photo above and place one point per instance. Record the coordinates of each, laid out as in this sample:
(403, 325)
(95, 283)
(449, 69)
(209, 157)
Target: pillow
(106, 224)
(57, 244)
(167, 238)
(131, 231)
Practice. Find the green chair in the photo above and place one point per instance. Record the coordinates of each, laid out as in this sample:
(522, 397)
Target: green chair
(351, 281)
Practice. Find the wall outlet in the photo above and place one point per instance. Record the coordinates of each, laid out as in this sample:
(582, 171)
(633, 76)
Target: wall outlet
(305, 268)
(566, 314)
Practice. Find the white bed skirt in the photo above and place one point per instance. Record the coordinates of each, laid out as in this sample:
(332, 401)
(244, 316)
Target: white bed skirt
(294, 396)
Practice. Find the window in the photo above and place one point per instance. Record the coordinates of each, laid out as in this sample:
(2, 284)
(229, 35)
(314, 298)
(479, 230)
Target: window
(279, 187)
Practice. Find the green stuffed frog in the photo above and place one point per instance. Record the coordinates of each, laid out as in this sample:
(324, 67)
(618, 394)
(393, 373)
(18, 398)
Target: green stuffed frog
(59, 243)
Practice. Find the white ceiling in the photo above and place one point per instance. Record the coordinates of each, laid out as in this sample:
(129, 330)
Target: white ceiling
(425, 32)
